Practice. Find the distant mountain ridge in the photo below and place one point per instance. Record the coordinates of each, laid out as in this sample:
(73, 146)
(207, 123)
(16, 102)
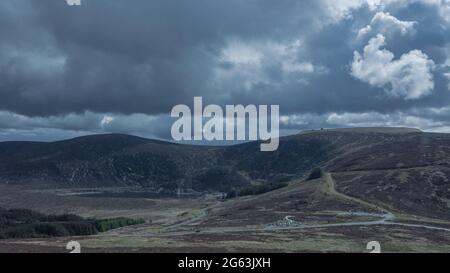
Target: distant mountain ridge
(122, 160)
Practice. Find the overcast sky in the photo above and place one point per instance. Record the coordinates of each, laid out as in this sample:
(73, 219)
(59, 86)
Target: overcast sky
(120, 66)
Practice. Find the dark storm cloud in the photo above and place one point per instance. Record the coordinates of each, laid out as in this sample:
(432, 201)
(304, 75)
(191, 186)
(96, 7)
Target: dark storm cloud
(126, 57)
(120, 66)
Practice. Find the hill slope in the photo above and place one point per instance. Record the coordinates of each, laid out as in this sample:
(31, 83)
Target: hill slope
(122, 160)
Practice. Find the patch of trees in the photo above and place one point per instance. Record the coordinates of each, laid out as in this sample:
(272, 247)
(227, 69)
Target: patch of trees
(256, 189)
(108, 224)
(21, 223)
(220, 179)
(316, 173)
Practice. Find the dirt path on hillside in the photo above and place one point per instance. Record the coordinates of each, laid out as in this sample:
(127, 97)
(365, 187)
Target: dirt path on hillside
(385, 216)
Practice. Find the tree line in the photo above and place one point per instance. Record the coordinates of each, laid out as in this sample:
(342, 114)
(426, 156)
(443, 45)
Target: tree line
(23, 223)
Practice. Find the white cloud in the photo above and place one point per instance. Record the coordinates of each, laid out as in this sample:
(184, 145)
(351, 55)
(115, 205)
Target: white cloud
(399, 119)
(238, 52)
(337, 10)
(252, 62)
(386, 24)
(373, 119)
(409, 77)
(106, 120)
(447, 75)
(445, 67)
(341, 9)
(443, 6)
(444, 10)
(75, 124)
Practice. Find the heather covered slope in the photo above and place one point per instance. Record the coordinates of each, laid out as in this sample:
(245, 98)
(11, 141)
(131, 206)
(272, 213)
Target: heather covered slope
(100, 161)
(122, 160)
(385, 184)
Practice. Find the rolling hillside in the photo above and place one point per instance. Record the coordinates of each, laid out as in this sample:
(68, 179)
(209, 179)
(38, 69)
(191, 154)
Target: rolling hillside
(123, 160)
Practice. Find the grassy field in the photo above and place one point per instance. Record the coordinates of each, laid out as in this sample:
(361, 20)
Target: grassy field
(306, 216)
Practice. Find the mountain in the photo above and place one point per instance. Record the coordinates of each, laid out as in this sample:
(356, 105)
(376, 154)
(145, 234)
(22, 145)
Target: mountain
(113, 160)
(101, 160)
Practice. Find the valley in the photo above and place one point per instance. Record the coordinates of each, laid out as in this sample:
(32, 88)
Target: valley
(388, 185)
